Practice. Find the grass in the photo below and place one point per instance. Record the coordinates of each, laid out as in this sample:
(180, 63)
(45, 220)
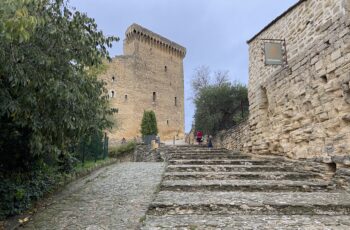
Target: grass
(122, 149)
(90, 164)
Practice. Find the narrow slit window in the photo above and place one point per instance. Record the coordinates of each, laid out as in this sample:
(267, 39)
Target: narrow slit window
(112, 94)
(167, 122)
(113, 78)
(126, 97)
(175, 101)
(324, 79)
(165, 68)
(154, 96)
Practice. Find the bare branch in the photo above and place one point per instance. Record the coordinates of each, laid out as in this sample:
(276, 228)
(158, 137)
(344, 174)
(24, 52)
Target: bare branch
(200, 79)
(221, 77)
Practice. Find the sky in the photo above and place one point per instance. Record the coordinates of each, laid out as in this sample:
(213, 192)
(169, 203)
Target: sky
(214, 32)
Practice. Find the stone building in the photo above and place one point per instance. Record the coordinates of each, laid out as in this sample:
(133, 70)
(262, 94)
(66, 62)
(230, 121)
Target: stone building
(301, 107)
(148, 76)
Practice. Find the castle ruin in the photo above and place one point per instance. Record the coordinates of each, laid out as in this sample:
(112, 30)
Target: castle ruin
(148, 76)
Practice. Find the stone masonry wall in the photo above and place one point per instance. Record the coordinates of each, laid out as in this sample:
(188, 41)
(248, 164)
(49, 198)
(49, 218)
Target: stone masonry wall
(149, 76)
(303, 110)
(234, 138)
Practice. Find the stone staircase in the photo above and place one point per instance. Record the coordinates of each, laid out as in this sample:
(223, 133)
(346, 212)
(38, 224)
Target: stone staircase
(218, 189)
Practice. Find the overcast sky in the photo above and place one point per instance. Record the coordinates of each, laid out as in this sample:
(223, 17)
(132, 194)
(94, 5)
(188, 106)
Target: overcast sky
(214, 32)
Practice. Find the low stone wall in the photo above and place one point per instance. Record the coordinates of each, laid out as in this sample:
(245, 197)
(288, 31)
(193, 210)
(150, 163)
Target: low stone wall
(234, 138)
(144, 153)
(189, 139)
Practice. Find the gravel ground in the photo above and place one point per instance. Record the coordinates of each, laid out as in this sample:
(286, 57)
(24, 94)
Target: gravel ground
(115, 197)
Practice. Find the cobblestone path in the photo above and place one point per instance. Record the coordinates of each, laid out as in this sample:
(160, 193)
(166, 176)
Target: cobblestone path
(115, 197)
(217, 189)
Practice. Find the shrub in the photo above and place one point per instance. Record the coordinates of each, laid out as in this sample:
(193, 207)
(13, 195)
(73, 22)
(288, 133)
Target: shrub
(149, 124)
(122, 149)
(19, 190)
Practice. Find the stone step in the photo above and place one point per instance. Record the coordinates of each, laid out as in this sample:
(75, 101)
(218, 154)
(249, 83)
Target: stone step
(241, 175)
(251, 203)
(209, 156)
(228, 168)
(218, 162)
(297, 166)
(245, 185)
(199, 150)
(261, 222)
(203, 153)
(191, 147)
(188, 147)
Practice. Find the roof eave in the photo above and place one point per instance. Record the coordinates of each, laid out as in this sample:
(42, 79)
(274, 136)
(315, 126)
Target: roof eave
(276, 19)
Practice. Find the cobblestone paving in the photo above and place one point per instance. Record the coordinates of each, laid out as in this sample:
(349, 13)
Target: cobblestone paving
(258, 222)
(218, 189)
(115, 197)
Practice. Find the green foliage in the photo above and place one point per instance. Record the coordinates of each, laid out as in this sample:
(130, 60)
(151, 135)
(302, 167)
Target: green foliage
(66, 162)
(239, 117)
(91, 165)
(19, 190)
(122, 149)
(16, 19)
(203, 78)
(149, 124)
(50, 97)
(49, 93)
(91, 147)
(218, 106)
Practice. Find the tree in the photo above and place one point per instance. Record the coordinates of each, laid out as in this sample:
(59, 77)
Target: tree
(50, 96)
(200, 79)
(149, 124)
(218, 105)
(221, 77)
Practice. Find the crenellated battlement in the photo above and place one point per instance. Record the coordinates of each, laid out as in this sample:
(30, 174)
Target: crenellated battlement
(142, 34)
(148, 76)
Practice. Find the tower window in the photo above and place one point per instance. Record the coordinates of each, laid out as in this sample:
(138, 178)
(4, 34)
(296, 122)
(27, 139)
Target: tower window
(167, 122)
(175, 101)
(154, 96)
(112, 94)
(324, 79)
(113, 78)
(126, 97)
(165, 68)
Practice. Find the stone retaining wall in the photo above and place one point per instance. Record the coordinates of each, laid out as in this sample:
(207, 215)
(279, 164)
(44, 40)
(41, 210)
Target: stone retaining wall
(144, 153)
(234, 138)
(303, 110)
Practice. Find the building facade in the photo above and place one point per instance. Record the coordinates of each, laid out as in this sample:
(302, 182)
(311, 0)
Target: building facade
(301, 108)
(148, 76)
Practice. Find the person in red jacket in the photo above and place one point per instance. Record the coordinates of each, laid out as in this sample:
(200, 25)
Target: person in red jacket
(199, 137)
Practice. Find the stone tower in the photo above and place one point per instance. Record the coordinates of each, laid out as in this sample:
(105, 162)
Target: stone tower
(149, 76)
